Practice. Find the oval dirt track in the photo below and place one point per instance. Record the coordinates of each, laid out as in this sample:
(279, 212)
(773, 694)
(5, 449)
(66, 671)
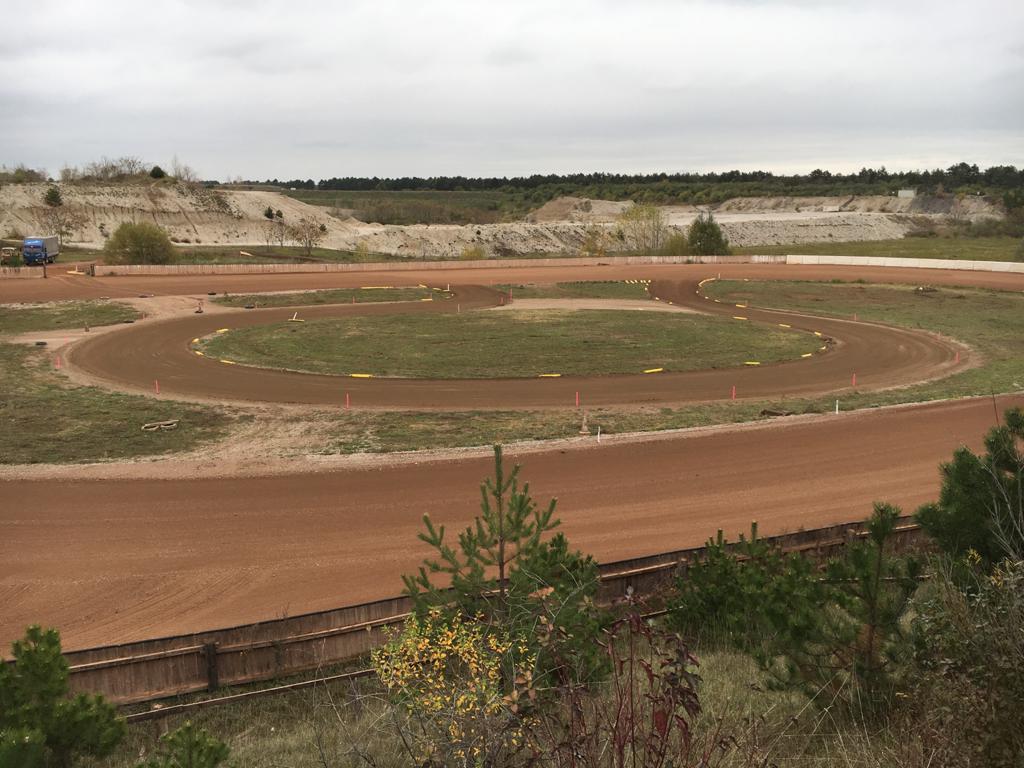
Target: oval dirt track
(116, 560)
(880, 356)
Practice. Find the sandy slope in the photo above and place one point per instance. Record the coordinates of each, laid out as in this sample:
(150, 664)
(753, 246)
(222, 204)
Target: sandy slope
(235, 217)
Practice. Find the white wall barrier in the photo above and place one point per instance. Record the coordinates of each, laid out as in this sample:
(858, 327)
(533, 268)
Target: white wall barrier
(892, 261)
(102, 270)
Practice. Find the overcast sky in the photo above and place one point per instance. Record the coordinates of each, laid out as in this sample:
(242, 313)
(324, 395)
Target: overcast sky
(492, 87)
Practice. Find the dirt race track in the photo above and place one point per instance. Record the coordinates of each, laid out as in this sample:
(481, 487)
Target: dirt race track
(110, 561)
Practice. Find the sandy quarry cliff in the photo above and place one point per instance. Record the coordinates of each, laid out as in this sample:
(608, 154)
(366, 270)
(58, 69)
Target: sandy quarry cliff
(195, 215)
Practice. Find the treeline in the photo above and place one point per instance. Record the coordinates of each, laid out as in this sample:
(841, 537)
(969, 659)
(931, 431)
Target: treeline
(693, 187)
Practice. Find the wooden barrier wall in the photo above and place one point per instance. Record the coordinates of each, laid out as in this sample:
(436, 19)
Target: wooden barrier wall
(154, 669)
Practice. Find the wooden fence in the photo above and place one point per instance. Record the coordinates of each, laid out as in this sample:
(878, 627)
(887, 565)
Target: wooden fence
(154, 669)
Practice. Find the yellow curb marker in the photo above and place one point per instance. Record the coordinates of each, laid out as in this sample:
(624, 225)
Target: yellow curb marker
(195, 340)
(752, 362)
(229, 362)
(361, 375)
(738, 317)
(549, 375)
(809, 354)
(783, 325)
(818, 334)
(223, 330)
(654, 370)
(201, 354)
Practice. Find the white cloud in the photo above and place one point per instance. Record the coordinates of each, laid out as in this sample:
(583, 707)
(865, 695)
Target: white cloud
(392, 87)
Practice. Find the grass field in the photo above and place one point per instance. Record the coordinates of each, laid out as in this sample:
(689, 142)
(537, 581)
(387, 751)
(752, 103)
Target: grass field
(970, 248)
(44, 419)
(350, 723)
(333, 296)
(507, 344)
(587, 289)
(65, 314)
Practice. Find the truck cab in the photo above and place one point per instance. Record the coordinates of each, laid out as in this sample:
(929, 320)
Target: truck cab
(40, 250)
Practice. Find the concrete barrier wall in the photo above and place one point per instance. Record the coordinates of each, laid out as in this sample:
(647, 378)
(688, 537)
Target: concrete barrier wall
(102, 270)
(886, 261)
(15, 273)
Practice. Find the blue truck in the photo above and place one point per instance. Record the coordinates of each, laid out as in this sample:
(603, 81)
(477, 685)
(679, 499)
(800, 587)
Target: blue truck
(40, 250)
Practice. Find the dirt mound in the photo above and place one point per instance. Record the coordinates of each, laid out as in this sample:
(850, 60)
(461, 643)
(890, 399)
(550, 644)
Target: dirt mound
(969, 206)
(578, 209)
(190, 214)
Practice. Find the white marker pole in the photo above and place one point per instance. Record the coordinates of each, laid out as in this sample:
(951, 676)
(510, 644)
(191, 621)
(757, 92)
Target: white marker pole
(599, 433)
(837, 407)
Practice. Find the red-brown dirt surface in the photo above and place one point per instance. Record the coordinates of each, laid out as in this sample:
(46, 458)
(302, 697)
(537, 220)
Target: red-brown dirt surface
(111, 561)
(880, 356)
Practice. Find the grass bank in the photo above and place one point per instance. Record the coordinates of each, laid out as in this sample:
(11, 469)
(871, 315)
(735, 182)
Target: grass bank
(507, 344)
(258, 254)
(27, 318)
(332, 296)
(44, 419)
(584, 289)
(970, 248)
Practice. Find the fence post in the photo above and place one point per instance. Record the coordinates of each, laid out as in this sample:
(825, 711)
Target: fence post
(212, 673)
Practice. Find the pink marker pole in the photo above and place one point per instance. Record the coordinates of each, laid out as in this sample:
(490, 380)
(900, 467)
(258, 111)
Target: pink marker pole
(957, 358)
(156, 385)
(577, 398)
(853, 383)
(348, 403)
(56, 362)
(733, 396)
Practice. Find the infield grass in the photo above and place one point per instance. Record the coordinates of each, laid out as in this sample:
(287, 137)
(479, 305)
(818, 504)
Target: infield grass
(584, 289)
(507, 344)
(27, 318)
(45, 419)
(332, 296)
(991, 322)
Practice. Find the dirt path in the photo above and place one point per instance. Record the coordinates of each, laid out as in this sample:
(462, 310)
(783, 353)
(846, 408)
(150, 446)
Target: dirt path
(116, 561)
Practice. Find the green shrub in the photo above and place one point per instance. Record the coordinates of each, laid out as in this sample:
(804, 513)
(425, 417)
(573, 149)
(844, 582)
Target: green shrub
(142, 243)
(747, 593)
(40, 725)
(676, 245)
(472, 253)
(839, 637)
(157, 172)
(968, 648)
(506, 571)
(979, 507)
(706, 238)
(188, 747)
